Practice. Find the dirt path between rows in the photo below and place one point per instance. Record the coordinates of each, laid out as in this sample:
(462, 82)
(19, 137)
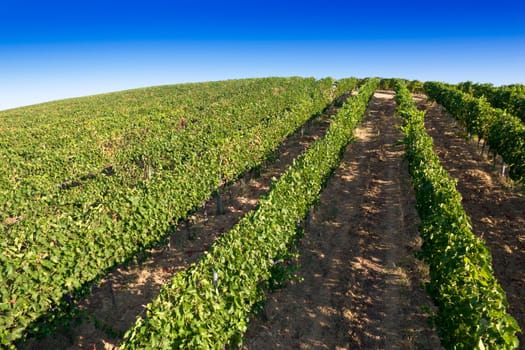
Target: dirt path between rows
(361, 285)
(497, 211)
(122, 295)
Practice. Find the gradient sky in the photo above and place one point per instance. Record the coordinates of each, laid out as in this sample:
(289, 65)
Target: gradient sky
(56, 49)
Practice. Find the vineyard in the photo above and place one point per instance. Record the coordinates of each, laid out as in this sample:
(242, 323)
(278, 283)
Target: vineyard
(266, 213)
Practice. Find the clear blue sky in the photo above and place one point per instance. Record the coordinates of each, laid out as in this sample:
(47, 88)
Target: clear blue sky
(57, 49)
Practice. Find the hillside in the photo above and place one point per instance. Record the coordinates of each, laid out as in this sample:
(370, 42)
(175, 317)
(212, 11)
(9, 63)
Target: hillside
(213, 197)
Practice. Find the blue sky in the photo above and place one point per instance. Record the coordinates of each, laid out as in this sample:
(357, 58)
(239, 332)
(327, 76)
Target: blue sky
(57, 49)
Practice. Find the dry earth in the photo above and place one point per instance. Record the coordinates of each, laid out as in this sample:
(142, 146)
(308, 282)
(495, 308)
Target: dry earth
(123, 294)
(496, 208)
(361, 285)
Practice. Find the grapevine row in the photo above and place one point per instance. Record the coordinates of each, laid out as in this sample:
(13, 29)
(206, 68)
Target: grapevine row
(511, 97)
(49, 152)
(207, 306)
(504, 134)
(471, 304)
(59, 247)
(345, 85)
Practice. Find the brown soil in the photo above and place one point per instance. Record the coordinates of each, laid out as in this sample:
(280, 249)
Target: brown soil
(123, 294)
(496, 209)
(361, 284)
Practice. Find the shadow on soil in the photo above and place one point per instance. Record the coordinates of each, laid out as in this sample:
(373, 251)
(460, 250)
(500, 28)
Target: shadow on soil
(122, 295)
(496, 209)
(361, 284)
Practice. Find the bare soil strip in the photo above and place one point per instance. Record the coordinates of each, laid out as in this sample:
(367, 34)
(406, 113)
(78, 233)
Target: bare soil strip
(496, 210)
(123, 294)
(361, 285)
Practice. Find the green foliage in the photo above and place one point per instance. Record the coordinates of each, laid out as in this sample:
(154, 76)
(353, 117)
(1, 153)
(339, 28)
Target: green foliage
(88, 183)
(387, 83)
(281, 272)
(345, 85)
(509, 97)
(415, 86)
(505, 134)
(207, 306)
(471, 303)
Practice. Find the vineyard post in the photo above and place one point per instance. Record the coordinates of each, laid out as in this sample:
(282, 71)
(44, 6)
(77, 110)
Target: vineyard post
(220, 206)
(112, 292)
(188, 228)
(205, 210)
